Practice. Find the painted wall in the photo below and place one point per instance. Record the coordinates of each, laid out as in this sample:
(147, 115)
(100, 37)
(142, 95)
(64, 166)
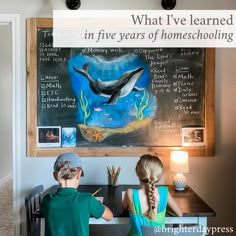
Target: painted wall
(211, 177)
(6, 167)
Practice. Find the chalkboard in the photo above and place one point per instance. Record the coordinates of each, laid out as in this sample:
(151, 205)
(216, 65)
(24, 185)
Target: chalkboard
(172, 96)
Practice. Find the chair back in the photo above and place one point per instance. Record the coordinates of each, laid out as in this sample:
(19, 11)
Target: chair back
(32, 203)
(169, 231)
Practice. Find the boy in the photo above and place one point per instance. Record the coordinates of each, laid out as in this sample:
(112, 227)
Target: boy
(67, 211)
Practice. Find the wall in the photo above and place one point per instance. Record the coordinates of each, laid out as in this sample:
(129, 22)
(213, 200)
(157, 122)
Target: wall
(6, 167)
(211, 177)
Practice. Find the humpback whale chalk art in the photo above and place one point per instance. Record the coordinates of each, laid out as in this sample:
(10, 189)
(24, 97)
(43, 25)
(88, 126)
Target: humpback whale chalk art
(114, 89)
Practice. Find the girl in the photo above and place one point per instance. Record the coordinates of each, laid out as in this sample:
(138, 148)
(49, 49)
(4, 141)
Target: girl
(147, 205)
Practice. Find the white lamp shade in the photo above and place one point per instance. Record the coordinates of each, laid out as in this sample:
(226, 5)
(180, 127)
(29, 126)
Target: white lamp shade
(179, 162)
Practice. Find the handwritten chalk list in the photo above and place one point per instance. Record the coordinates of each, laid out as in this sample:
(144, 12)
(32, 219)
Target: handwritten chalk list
(178, 82)
(56, 101)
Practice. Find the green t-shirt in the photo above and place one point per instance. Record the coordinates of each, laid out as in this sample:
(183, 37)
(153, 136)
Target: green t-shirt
(67, 212)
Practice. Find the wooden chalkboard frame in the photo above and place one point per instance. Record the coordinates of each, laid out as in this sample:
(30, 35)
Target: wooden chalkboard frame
(33, 151)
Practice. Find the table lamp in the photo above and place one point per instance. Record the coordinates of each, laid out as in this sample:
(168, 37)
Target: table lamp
(179, 165)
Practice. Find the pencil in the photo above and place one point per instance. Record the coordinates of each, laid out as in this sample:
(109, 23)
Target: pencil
(96, 191)
(116, 177)
(109, 170)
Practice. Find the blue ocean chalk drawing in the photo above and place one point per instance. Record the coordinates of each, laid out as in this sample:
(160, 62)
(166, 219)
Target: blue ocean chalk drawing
(117, 94)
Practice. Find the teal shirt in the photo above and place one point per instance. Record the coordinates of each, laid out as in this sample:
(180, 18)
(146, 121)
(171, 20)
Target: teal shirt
(137, 219)
(67, 212)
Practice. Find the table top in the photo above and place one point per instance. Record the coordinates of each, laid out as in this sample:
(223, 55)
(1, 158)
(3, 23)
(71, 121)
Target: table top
(190, 203)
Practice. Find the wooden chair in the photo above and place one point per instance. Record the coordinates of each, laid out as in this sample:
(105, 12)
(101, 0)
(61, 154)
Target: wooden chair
(153, 231)
(32, 203)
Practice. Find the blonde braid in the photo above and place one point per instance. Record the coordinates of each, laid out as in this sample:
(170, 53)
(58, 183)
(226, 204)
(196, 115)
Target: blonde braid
(151, 199)
(149, 170)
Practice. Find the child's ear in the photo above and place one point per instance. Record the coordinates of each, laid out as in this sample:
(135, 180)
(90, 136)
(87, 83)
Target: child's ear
(79, 173)
(55, 175)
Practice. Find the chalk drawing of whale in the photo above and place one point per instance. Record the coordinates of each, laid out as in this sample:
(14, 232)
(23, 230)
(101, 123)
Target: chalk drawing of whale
(114, 89)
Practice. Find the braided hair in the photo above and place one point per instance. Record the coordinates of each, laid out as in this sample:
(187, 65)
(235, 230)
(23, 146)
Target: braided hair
(149, 170)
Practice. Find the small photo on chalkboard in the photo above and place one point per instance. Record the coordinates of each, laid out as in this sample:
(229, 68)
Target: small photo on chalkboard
(68, 137)
(193, 136)
(49, 136)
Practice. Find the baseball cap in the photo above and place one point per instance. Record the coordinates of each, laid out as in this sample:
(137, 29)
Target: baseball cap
(71, 157)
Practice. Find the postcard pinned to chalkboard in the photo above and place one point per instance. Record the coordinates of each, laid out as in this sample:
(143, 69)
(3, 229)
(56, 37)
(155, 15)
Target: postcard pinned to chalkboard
(49, 136)
(69, 137)
(193, 136)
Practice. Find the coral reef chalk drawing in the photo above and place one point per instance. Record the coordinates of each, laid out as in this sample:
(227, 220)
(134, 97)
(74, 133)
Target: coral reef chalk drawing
(95, 134)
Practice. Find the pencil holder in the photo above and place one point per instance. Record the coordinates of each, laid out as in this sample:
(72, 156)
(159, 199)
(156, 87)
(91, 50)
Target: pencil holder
(114, 181)
(113, 176)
